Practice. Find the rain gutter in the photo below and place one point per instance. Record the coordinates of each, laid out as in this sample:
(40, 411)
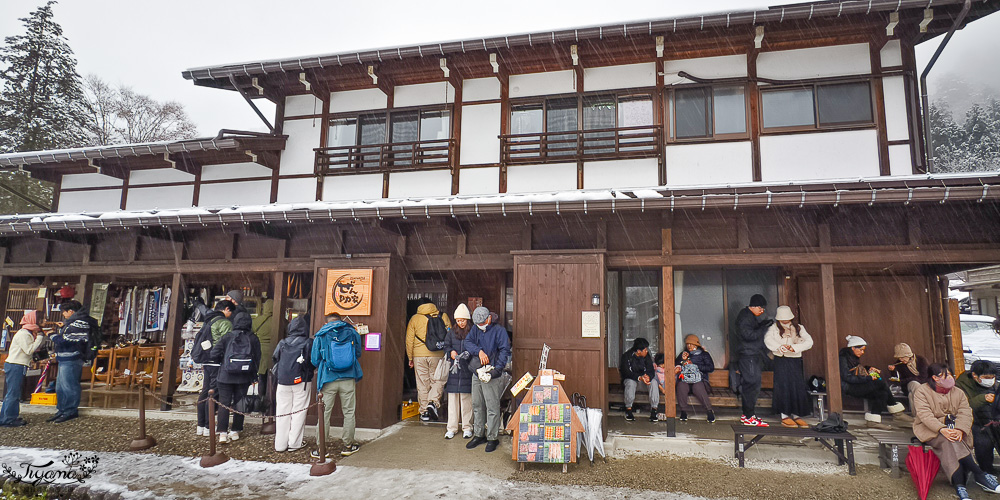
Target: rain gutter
(928, 147)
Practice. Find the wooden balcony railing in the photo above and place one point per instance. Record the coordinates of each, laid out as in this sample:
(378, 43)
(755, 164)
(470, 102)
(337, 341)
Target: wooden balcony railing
(396, 156)
(582, 145)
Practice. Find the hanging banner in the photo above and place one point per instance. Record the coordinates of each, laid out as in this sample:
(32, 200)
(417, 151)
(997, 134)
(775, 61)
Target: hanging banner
(152, 310)
(349, 291)
(98, 300)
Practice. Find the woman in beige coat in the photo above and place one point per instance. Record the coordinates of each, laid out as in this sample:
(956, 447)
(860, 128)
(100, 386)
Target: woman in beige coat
(787, 340)
(944, 422)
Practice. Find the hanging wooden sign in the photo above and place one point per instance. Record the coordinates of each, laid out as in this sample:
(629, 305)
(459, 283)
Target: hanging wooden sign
(349, 291)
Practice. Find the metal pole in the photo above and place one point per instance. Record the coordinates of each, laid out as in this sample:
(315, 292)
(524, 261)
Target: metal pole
(322, 466)
(143, 441)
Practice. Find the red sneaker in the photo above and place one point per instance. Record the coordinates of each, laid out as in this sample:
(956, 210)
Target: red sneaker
(745, 420)
(759, 422)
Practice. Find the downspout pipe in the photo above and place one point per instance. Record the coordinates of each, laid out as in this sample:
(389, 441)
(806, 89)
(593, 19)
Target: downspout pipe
(924, 101)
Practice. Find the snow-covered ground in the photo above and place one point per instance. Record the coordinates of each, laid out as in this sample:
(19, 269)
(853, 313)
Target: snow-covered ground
(144, 476)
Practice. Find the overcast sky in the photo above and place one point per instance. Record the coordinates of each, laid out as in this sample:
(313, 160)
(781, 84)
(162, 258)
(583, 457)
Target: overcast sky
(147, 44)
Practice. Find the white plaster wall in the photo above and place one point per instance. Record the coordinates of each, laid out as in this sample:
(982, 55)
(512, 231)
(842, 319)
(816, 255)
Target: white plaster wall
(234, 171)
(734, 66)
(891, 54)
(105, 200)
(352, 187)
(537, 178)
(296, 190)
(89, 180)
(619, 77)
(158, 175)
(483, 180)
(640, 172)
(160, 197)
(421, 184)
(423, 94)
(713, 163)
(480, 134)
(823, 155)
(298, 156)
(553, 82)
(298, 105)
(900, 161)
(357, 100)
(815, 62)
(228, 194)
(480, 89)
(894, 94)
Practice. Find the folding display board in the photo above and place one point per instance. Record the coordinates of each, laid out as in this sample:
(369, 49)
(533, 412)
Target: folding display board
(545, 426)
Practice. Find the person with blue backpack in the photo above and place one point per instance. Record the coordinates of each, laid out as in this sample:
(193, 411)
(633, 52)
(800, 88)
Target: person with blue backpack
(238, 354)
(293, 370)
(336, 350)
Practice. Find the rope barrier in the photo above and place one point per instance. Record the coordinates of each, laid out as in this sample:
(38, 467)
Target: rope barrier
(232, 410)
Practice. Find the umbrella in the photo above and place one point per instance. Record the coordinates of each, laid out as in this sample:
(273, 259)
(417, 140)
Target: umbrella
(595, 440)
(923, 467)
(41, 378)
(580, 407)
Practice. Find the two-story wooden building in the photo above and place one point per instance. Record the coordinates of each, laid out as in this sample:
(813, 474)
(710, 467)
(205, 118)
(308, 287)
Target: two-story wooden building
(658, 173)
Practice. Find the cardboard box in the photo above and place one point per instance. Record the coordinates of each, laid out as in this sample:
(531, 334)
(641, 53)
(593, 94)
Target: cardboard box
(43, 398)
(409, 410)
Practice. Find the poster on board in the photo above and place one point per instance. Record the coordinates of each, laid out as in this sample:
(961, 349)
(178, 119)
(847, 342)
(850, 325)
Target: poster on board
(349, 291)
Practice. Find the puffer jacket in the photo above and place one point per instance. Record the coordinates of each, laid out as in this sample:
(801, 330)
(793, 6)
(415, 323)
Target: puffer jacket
(848, 365)
(335, 331)
(262, 327)
(296, 342)
(750, 331)
(416, 332)
(461, 382)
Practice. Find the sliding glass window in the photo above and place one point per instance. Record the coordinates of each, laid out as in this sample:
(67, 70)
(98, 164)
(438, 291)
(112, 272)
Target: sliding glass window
(709, 113)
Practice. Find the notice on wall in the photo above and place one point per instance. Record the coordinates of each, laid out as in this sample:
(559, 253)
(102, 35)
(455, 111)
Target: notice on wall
(349, 291)
(373, 342)
(98, 300)
(591, 324)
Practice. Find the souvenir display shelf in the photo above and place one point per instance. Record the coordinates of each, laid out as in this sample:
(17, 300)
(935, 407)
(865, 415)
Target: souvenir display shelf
(545, 426)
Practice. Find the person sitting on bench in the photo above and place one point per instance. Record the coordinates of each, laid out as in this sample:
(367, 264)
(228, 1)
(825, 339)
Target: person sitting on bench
(692, 367)
(980, 385)
(944, 422)
(637, 366)
(910, 370)
(865, 382)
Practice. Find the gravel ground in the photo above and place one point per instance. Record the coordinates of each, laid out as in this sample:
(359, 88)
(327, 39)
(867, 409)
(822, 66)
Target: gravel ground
(720, 479)
(173, 438)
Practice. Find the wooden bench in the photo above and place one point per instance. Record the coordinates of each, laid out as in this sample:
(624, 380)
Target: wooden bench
(840, 440)
(720, 396)
(888, 449)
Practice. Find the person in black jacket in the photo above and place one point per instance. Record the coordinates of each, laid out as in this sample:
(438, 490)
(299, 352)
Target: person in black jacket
(234, 378)
(636, 366)
(71, 351)
(294, 373)
(692, 366)
(865, 382)
(751, 326)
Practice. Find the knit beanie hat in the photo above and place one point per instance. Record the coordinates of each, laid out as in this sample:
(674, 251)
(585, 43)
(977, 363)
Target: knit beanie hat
(480, 315)
(236, 295)
(902, 350)
(855, 341)
(758, 300)
(462, 312)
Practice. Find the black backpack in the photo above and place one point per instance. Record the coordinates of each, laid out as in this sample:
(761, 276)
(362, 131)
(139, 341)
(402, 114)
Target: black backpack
(288, 370)
(436, 333)
(833, 423)
(238, 357)
(200, 351)
(94, 339)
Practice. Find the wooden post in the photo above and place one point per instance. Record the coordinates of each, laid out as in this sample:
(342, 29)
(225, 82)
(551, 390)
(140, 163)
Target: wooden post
(83, 289)
(830, 339)
(172, 355)
(4, 293)
(669, 348)
(953, 329)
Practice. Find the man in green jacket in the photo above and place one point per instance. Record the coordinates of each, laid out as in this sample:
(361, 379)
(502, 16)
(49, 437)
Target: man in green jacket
(979, 385)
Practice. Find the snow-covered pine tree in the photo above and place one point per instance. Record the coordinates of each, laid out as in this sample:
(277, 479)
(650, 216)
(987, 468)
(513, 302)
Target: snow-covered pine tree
(41, 99)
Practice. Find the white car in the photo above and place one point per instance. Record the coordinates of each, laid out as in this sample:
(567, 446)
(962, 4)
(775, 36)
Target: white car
(979, 340)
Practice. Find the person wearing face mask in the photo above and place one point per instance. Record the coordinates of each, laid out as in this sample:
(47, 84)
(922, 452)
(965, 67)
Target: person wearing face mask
(489, 346)
(944, 422)
(911, 370)
(979, 385)
(865, 382)
(787, 341)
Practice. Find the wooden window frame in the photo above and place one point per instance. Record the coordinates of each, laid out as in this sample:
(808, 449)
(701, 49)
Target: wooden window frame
(813, 85)
(581, 97)
(670, 113)
(357, 115)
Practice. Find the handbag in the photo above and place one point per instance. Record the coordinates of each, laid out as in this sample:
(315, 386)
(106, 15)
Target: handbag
(442, 370)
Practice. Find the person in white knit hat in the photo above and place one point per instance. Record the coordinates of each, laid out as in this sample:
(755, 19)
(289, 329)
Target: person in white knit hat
(787, 340)
(865, 382)
(459, 386)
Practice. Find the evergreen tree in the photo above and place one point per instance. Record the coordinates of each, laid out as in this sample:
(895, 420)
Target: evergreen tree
(41, 101)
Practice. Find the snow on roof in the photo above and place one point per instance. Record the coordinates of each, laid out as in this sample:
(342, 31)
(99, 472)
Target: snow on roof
(935, 187)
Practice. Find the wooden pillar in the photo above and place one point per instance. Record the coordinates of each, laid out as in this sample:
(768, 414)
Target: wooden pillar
(4, 292)
(669, 347)
(278, 317)
(753, 95)
(83, 289)
(172, 355)
(830, 335)
(455, 156)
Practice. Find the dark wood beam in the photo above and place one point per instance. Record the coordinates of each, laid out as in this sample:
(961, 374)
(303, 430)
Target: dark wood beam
(901, 255)
(159, 267)
(269, 231)
(172, 355)
(831, 338)
(66, 237)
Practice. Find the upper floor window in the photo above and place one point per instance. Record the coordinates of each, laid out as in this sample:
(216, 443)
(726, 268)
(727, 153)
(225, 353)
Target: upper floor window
(817, 106)
(709, 112)
(400, 138)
